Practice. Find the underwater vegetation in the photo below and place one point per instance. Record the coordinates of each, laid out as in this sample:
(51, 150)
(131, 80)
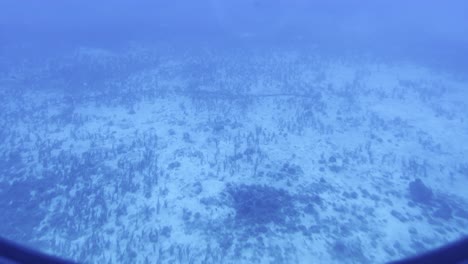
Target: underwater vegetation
(227, 157)
(260, 205)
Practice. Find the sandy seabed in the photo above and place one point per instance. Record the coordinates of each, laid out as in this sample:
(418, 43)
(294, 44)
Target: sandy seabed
(153, 155)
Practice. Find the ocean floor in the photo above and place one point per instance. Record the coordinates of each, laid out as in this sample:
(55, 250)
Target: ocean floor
(152, 155)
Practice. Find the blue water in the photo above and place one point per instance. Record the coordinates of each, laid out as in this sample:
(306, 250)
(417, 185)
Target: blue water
(246, 131)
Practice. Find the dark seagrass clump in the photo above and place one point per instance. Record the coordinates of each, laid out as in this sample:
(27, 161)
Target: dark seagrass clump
(261, 205)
